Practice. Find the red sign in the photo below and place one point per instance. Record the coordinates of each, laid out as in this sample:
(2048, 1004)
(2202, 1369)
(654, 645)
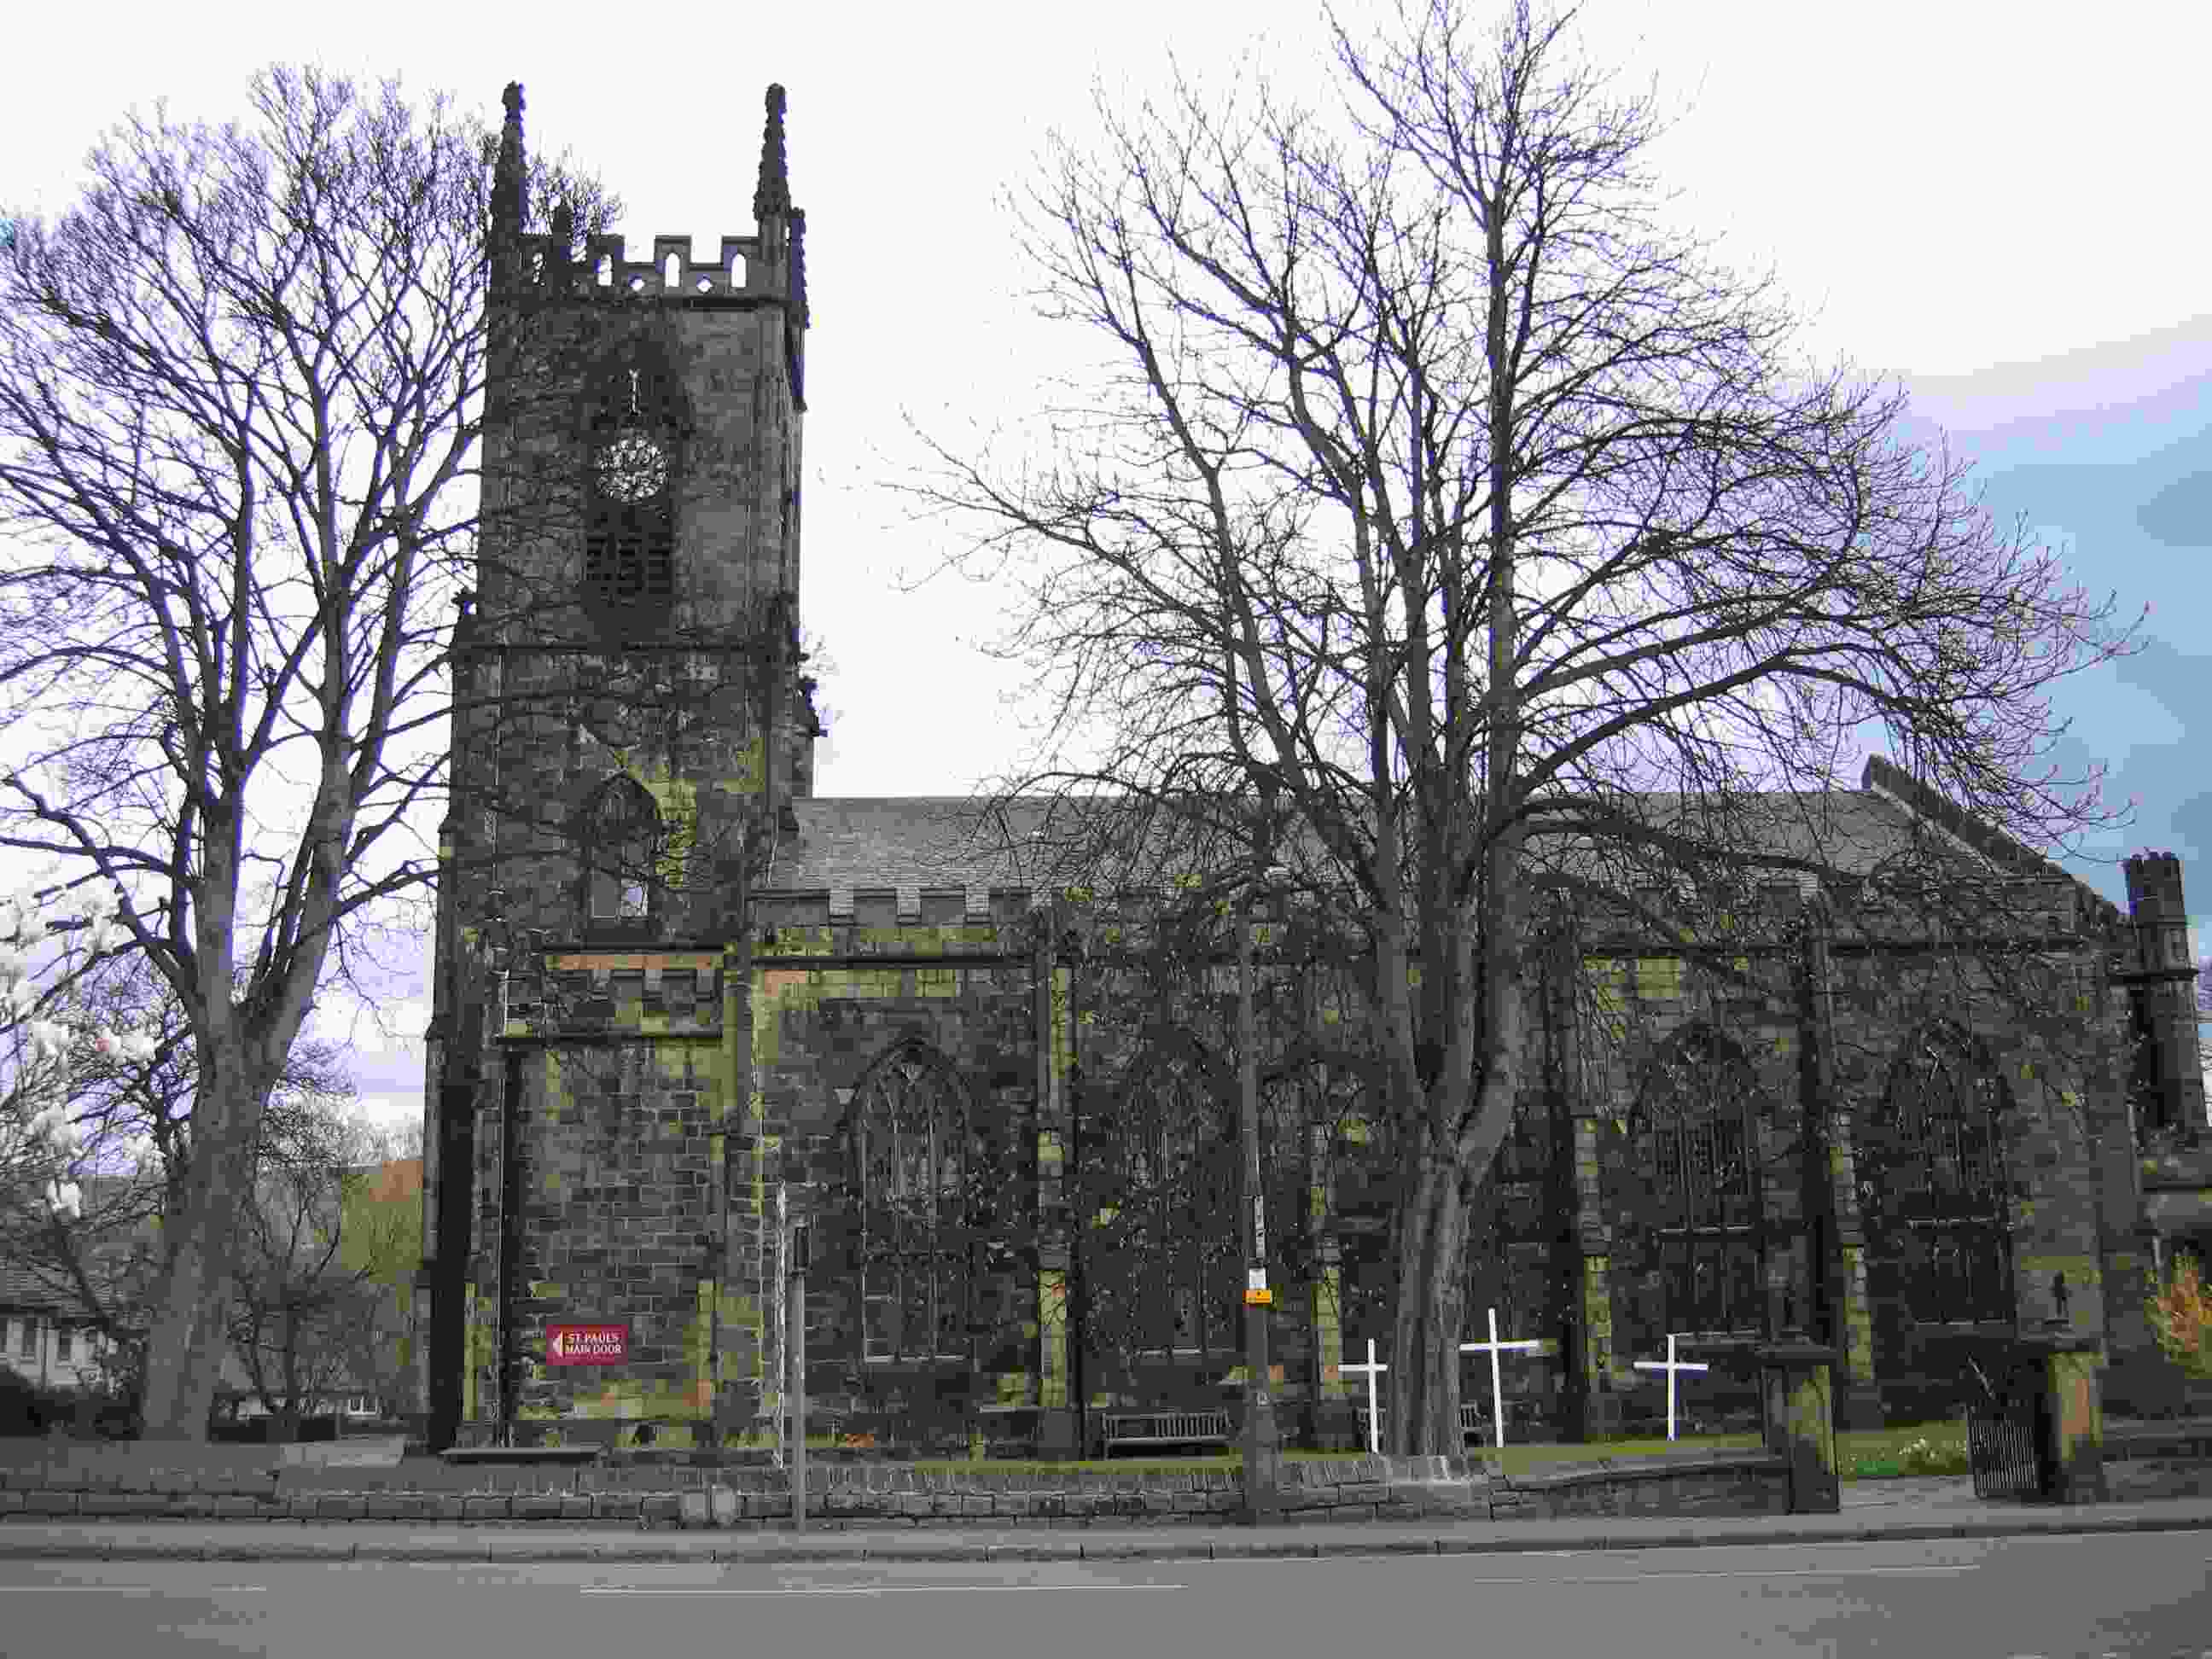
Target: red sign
(586, 1345)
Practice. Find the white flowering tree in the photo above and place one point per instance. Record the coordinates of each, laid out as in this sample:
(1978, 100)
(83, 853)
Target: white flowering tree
(52, 1039)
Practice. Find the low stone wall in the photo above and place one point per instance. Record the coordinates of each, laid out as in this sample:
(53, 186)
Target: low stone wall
(45, 1479)
(1698, 1483)
(2157, 1459)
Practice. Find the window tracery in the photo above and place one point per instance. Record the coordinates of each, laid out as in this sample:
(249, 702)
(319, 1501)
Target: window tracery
(623, 842)
(1936, 1185)
(1697, 1130)
(1511, 1225)
(1164, 1251)
(924, 1179)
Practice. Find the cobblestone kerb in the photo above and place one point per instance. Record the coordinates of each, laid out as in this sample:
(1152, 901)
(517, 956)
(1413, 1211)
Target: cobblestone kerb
(137, 1482)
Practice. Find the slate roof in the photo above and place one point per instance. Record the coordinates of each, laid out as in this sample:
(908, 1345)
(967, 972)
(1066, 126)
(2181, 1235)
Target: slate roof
(943, 842)
(935, 841)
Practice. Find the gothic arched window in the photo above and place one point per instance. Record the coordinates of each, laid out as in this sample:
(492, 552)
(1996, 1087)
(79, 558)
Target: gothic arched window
(1164, 1252)
(629, 529)
(1512, 1226)
(1936, 1185)
(924, 1180)
(1332, 1182)
(623, 845)
(1696, 1137)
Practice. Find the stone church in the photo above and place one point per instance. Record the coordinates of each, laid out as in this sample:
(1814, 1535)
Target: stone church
(682, 1002)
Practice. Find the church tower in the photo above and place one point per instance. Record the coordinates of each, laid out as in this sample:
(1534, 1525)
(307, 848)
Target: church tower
(633, 726)
(2162, 983)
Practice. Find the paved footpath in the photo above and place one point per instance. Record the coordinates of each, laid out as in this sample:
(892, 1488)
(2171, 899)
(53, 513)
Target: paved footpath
(1872, 1509)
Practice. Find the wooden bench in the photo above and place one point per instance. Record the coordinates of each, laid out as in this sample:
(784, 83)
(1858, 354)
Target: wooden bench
(1166, 1429)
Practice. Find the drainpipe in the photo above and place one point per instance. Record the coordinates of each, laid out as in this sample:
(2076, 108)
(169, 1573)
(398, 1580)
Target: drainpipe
(510, 1338)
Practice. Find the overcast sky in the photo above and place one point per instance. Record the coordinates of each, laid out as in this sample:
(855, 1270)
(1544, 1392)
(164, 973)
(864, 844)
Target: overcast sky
(1997, 205)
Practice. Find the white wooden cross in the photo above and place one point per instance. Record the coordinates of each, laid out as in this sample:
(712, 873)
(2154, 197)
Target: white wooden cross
(1671, 1366)
(1497, 1381)
(1374, 1418)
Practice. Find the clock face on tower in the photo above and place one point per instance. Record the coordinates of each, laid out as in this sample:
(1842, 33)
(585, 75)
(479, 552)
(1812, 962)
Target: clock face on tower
(632, 468)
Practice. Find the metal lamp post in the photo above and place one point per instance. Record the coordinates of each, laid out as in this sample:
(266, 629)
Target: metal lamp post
(1263, 1445)
(795, 1346)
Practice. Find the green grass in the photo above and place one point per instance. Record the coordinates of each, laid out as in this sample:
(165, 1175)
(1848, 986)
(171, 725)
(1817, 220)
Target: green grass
(1874, 1454)
(768, 1443)
(1916, 1450)
(1539, 1456)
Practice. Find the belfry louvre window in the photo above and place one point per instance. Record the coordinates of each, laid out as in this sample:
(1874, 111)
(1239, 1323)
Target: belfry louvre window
(623, 848)
(1696, 1134)
(629, 560)
(1935, 1182)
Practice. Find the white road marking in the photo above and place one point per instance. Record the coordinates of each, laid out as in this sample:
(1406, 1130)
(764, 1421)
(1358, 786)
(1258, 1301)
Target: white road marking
(1626, 1578)
(77, 1589)
(128, 1590)
(935, 1589)
(1641, 1578)
(1749, 1572)
(862, 1589)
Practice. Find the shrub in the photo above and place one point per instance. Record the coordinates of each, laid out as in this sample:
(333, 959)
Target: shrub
(24, 1408)
(27, 1409)
(2181, 1313)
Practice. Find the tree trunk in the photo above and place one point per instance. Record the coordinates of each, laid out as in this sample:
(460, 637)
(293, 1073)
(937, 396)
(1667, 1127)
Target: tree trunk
(1423, 1416)
(185, 1342)
(1431, 1314)
(190, 1326)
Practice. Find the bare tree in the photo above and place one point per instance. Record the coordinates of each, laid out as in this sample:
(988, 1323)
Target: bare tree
(241, 399)
(1443, 537)
(297, 1293)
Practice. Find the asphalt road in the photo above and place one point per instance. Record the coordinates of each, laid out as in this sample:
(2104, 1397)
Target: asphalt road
(2143, 1596)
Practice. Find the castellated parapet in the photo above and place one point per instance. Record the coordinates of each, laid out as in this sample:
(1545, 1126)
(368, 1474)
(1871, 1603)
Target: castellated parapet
(740, 270)
(767, 265)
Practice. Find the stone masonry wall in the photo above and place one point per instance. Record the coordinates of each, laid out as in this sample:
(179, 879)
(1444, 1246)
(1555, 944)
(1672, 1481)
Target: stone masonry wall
(129, 1481)
(639, 1089)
